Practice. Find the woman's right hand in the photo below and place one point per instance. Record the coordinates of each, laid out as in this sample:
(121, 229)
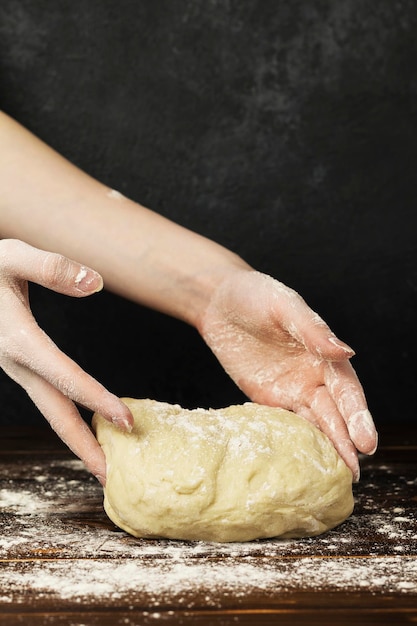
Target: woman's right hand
(52, 380)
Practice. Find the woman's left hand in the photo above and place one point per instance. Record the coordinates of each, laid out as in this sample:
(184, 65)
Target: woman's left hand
(280, 353)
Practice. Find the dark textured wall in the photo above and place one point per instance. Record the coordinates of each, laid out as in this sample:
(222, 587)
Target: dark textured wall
(284, 130)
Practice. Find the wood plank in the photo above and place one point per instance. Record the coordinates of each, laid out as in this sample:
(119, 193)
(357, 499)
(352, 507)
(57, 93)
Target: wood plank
(341, 617)
(62, 559)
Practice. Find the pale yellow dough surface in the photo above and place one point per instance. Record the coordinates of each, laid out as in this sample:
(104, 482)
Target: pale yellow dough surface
(233, 474)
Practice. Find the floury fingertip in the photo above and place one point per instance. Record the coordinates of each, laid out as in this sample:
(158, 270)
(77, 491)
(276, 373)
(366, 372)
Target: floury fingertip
(356, 474)
(362, 431)
(340, 344)
(123, 424)
(355, 469)
(88, 280)
(101, 479)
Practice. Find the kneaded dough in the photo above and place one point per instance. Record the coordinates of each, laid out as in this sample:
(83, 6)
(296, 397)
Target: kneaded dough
(233, 474)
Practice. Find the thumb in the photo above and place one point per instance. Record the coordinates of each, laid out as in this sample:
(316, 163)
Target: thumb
(49, 269)
(311, 330)
(321, 341)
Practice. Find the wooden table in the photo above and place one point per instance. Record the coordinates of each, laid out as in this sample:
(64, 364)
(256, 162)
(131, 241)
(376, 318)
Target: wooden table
(63, 562)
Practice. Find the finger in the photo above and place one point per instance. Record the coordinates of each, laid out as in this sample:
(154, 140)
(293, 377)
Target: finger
(349, 397)
(308, 327)
(66, 421)
(325, 415)
(333, 425)
(49, 269)
(34, 352)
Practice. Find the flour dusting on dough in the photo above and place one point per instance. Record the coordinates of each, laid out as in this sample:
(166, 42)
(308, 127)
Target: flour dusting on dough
(233, 474)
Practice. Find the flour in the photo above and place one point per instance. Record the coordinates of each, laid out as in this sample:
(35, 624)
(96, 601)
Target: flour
(22, 502)
(114, 194)
(62, 546)
(176, 577)
(81, 275)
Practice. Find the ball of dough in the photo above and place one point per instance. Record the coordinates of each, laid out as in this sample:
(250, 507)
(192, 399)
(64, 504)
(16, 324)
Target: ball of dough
(233, 474)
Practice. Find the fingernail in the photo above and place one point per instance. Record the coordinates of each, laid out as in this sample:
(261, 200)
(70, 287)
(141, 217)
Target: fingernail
(347, 452)
(362, 431)
(88, 281)
(356, 474)
(101, 479)
(122, 423)
(374, 449)
(340, 344)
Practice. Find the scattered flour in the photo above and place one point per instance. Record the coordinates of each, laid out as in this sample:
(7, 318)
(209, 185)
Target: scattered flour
(56, 542)
(161, 579)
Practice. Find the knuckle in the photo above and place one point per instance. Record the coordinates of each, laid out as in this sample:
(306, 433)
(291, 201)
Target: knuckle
(55, 269)
(9, 248)
(12, 346)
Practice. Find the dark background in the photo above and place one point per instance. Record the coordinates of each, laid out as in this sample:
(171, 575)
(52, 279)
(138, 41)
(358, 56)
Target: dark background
(286, 131)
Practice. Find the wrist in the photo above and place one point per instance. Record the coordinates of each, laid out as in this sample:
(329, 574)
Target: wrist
(207, 285)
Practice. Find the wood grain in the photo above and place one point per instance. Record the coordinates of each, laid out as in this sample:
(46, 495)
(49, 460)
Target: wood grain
(63, 562)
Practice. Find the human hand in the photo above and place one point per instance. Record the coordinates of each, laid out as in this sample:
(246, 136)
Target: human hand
(280, 353)
(52, 380)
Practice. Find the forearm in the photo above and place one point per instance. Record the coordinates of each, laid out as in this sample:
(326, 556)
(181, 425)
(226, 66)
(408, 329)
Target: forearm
(271, 343)
(49, 203)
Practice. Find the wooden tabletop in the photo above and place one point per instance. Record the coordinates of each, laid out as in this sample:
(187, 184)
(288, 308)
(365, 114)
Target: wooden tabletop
(63, 562)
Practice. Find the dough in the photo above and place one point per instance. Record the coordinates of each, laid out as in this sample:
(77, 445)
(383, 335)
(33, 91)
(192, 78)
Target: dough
(233, 474)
